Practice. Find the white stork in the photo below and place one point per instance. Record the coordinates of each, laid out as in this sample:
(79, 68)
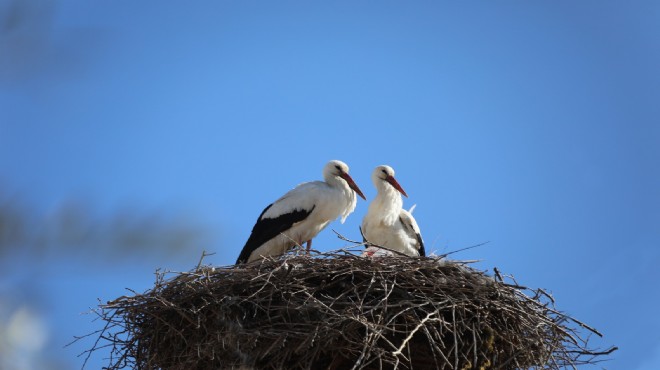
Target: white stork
(302, 213)
(387, 224)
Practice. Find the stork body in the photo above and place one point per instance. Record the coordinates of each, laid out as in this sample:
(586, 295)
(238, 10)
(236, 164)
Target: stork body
(386, 223)
(299, 215)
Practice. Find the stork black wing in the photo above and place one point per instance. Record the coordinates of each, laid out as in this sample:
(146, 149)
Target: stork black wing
(267, 228)
(422, 251)
(418, 236)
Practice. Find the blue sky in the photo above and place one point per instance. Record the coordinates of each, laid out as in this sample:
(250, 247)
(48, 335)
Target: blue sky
(532, 125)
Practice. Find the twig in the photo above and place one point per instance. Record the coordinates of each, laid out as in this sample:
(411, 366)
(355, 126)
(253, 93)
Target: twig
(464, 249)
(409, 337)
(204, 254)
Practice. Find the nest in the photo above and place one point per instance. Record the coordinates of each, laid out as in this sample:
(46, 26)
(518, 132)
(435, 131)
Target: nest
(338, 310)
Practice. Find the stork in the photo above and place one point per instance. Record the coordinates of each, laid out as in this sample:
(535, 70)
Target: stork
(300, 214)
(386, 223)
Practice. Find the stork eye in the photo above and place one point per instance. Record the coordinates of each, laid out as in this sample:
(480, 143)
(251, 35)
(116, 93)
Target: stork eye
(384, 171)
(338, 168)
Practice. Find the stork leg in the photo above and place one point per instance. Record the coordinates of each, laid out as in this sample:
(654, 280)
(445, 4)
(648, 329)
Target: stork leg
(309, 245)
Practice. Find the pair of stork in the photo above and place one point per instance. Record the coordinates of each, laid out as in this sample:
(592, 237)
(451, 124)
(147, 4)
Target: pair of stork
(299, 215)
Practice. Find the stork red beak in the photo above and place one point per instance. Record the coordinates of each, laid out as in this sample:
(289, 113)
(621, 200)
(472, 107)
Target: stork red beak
(396, 185)
(352, 184)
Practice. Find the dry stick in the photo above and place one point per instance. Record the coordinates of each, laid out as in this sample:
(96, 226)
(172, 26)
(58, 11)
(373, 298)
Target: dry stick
(474, 345)
(464, 249)
(380, 333)
(591, 329)
(549, 296)
(601, 353)
(366, 243)
(424, 320)
(498, 275)
(453, 316)
(356, 243)
(363, 353)
(204, 254)
(270, 275)
(89, 352)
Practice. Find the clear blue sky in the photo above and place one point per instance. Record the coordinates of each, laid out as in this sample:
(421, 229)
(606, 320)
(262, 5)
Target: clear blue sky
(532, 125)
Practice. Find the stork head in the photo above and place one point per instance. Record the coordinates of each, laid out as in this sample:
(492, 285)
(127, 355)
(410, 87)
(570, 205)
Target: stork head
(384, 175)
(339, 169)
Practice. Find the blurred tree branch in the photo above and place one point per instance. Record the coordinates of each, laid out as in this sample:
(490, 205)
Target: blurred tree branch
(74, 228)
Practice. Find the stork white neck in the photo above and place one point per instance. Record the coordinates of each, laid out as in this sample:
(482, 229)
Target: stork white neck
(388, 202)
(335, 174)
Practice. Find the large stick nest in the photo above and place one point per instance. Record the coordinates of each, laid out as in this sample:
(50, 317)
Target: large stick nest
(340, 311)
